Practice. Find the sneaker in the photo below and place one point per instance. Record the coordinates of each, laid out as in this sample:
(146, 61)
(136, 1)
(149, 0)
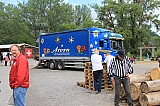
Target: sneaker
(96, 92)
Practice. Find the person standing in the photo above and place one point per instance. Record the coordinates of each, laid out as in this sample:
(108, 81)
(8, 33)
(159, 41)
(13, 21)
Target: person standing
(6, 60)
(37, 61)
(147, 56)
(158, 61)
(108, 61)
(120, 70)
(1, 59)
(97, 69)
(134, 59)
(19, 76)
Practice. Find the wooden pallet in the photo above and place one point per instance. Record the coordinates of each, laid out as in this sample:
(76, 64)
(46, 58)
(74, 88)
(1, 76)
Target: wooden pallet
(88, 65)
(89, 80)
(81, 84)
(89, 87)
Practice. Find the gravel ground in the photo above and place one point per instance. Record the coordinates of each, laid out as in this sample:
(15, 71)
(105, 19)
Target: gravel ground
(59, 88)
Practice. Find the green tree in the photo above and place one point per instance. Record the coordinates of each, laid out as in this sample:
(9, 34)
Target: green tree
(83, 16)
(12, 25)
(132, 19)
(22, 23)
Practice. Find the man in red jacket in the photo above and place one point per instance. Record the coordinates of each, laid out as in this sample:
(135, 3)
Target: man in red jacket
(19, 76)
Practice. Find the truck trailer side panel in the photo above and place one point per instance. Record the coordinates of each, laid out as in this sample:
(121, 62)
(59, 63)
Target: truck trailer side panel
(65, 45)
(65, 49)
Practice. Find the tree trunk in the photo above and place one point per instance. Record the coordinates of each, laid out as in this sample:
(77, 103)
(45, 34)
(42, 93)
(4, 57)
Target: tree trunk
(138, 78)
(136, 102)
(150, 99)
(135, 90)
(155, 74)
(149, 86)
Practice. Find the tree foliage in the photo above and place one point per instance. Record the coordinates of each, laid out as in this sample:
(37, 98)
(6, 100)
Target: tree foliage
(23, 23)
(131, 18)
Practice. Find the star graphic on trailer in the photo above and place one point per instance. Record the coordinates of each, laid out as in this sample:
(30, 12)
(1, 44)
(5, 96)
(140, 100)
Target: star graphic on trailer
(42, 41)
(95, 33)
(95, 42)
(91, 46)
(106, 35)
(71, 40)
(57, 40)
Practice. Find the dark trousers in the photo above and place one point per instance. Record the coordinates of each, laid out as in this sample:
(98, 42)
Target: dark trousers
(125, 83)
(5, 63)
(98, 80)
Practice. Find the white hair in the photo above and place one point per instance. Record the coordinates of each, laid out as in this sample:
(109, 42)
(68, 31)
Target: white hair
(96, 51)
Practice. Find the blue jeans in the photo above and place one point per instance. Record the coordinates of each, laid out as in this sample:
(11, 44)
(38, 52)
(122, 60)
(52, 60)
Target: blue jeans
(134, 60)
(98, 80)
(125, 83)
(19, 95)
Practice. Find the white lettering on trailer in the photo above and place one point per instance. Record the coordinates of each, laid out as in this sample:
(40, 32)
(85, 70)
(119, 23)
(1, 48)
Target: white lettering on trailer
(57, 50)
(61, 54)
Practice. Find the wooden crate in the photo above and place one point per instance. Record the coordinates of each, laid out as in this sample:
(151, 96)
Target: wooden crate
(89, 80)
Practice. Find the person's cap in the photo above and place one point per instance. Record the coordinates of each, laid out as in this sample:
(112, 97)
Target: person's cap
(121, 53)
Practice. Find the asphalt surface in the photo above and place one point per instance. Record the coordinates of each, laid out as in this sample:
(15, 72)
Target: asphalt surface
(59, 87)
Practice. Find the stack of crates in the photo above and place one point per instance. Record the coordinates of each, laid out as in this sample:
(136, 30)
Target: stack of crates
(89, 80)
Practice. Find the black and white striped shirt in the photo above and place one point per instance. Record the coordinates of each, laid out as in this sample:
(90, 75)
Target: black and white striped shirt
(120, 68)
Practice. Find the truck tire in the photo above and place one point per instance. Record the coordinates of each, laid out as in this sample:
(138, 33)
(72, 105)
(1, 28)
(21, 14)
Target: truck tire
(60, 65)
(52, 64)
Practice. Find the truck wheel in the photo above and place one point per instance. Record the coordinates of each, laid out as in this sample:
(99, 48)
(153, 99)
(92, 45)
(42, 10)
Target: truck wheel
(60, 65)
(52, 65)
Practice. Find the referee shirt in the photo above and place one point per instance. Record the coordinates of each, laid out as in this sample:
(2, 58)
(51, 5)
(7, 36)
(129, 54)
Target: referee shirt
(120, 68)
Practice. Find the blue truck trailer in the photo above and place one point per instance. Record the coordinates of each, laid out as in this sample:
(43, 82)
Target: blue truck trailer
(73, 48)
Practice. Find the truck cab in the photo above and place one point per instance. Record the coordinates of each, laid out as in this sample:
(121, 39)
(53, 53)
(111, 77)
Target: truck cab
(105, 40)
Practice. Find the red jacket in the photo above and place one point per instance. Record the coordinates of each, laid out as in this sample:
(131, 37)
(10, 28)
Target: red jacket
(19, 72)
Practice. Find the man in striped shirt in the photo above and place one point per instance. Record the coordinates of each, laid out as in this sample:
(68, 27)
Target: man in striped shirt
(119, 70)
